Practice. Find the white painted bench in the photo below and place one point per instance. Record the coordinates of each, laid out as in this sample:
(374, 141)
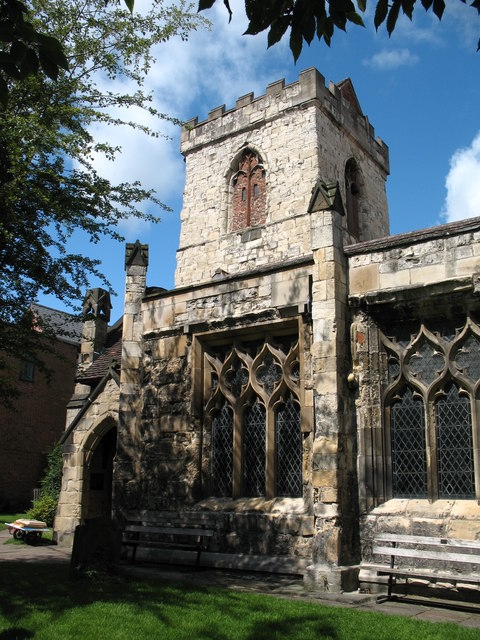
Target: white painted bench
(456, 562)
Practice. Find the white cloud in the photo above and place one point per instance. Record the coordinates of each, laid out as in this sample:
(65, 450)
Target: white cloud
(424, 28)
(462, 19)
(463, 184)
(391, 59)
(188, 79)
(458, 24)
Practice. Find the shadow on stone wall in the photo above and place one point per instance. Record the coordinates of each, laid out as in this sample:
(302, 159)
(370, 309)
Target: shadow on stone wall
(96, 547)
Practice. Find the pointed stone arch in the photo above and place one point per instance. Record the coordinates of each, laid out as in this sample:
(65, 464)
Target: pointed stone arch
(86, 490)
(98, 454)
(354, 191)
(248, 189)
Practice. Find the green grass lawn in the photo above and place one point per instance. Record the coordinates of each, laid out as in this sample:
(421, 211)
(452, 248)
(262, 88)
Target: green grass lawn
(41, 601)
(9, 518)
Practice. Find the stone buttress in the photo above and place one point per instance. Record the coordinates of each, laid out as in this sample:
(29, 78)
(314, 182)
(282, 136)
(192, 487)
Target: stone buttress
(235, 405)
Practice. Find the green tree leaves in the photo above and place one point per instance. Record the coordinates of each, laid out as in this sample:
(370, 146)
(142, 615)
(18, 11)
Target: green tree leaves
(50, 188)
(24, 49)
(307, 18)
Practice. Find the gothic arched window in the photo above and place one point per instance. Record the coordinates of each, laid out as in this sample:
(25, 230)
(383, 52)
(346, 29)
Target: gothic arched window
(249, 193)
(453, 422)
(353, 195)
(433, 389)
(407, 432)
(222, 451)
(256, 427)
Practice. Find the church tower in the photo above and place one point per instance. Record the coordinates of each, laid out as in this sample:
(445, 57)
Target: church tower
(246, 414)
(257, 176)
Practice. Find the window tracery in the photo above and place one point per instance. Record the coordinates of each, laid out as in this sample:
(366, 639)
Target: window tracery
(432, 436)
(252, 402)
(249, 192)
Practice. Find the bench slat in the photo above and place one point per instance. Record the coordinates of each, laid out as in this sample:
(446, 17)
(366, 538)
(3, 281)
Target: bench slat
(162, 544)
(433, 577)
(151, 535)
(446, 556)
(137, 528)
(427, 541)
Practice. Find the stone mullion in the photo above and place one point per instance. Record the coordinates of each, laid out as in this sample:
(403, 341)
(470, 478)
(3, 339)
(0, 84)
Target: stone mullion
(476, 444)
(249, 195)
(270, 457)
(237, 480)
(431, 448)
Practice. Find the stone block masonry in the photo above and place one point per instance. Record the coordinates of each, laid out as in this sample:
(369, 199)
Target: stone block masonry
(331, 131)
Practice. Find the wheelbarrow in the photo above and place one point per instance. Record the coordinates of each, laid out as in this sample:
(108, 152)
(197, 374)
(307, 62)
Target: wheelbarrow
(29, 535)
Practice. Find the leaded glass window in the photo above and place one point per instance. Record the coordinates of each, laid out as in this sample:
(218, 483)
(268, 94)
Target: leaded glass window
(432, 388)
(426, 363)
(456, 478)
(254, 450)
(468, 358)
(222, 451)
(289, 449)
(253, 400)
(409, 468)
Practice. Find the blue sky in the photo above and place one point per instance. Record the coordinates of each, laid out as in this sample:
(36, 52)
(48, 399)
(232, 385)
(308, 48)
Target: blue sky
(419, 88)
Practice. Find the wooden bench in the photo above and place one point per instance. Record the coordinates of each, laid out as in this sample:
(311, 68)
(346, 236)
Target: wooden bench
(165, 535)
(454, 560)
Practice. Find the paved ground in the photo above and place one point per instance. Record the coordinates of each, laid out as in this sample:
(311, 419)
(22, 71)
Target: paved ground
(277, 585)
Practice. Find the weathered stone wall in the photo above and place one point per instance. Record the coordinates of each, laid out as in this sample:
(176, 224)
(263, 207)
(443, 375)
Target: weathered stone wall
(171, 323)
(426, 277)
(96, 420)
(126, 472)
(171, 462)
(334, 447)
(218, 302)
(436, 255)
(302, 131)
(168, 446)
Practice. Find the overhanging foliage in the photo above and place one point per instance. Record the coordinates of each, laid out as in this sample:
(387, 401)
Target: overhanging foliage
(50, 188)
(307, 19)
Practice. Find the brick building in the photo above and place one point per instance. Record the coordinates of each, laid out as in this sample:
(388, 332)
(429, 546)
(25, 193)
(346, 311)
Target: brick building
(31, 430)
(292, 387)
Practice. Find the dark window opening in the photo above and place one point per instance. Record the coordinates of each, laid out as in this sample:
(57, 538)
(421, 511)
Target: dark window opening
(353, 193)
(27, 369)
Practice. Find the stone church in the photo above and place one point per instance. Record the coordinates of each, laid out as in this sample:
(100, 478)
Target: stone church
(310, 380)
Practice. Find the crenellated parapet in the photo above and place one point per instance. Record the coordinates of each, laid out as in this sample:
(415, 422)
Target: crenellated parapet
(338, 101)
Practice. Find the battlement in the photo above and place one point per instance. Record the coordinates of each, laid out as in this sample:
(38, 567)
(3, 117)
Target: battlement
(338, 101)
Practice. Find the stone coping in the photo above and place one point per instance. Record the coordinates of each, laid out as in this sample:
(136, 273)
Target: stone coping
(413, 237)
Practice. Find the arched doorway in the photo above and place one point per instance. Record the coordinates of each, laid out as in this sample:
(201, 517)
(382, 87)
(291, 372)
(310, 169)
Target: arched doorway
(97, 500)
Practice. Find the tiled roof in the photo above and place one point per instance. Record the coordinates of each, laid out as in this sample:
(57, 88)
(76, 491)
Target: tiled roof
(111, 357)
(66, 327)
